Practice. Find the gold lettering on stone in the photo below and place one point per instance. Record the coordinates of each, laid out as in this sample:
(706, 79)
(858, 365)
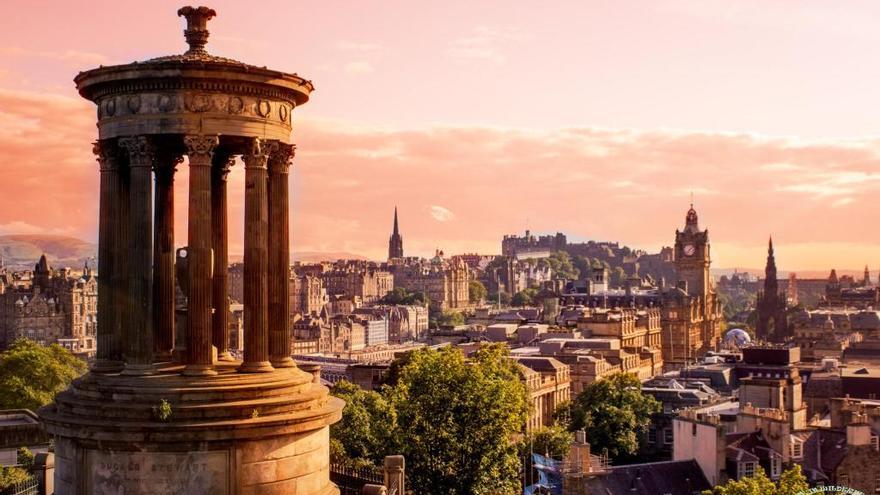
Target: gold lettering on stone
(158, 473)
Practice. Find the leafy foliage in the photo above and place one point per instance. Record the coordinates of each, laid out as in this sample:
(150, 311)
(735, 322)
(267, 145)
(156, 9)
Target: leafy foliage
(495, 297)
(552, 441)
(11, 476)
(456, 421)
(400, 295)
(562, 266)
(31, 374)
(450, 318)
(791, 482)
(476, 291)
(365, 431)
(25, 458)
(614, 412)
(525, 297)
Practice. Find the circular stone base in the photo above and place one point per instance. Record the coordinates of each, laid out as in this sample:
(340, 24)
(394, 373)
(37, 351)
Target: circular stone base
(230, 433)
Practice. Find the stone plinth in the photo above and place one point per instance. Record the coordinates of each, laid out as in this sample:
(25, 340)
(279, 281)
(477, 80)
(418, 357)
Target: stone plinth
(230, 433)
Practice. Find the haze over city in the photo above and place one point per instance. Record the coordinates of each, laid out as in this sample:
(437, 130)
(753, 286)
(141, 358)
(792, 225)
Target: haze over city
(597, 119)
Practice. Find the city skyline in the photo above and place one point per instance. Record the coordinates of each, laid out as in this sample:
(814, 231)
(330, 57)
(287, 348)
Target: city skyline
(762, 153)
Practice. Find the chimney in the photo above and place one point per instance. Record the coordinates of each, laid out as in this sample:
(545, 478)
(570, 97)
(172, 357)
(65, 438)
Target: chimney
(858, 431)
(579, 455)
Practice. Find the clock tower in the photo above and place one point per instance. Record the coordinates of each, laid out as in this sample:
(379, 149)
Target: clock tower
(692, 256)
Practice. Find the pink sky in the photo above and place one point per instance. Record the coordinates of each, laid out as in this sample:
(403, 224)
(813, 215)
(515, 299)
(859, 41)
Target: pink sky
(484, 118)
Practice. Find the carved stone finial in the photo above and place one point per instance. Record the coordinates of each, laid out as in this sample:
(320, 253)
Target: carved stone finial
(196, 32)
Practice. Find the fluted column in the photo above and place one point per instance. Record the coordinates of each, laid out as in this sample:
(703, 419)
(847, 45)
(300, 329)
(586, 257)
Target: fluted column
(220, 241)
(163, 256)
(256, 263)
(200, 150)
(279, 257)
(138, 331)
(109, 354)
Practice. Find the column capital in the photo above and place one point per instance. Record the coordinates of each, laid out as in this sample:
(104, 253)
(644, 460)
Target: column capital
(166, 165)
(141, 150)
(280, 158)
(200, 148)
(222, 165)
(106, 153)
(257, 154)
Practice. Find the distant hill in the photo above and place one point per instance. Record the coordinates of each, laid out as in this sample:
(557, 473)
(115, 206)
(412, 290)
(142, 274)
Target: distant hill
(316, 256)
(23, 250)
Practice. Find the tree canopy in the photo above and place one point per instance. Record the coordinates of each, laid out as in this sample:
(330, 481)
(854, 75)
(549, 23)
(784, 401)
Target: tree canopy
(400, 295)
(31, 374)
(525, 297)
(455, 420)
(562, 265)
(792, 482)
(476, 291)
(614, 412)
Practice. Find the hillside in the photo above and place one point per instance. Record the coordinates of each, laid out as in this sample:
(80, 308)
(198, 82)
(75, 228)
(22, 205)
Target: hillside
(23, 250)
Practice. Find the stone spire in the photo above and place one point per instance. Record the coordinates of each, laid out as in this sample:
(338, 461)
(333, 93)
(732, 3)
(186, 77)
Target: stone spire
(867, 280)
(690, 222)
(771, 285)
(395, 243)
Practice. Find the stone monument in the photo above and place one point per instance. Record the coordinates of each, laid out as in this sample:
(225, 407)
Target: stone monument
(146, 419)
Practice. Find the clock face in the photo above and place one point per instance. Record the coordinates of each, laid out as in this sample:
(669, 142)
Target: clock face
(689, 250)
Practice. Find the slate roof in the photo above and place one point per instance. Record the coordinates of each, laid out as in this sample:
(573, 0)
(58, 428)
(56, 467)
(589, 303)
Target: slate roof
(655, 478)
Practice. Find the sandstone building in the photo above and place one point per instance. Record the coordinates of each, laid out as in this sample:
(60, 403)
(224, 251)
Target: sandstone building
(51, 307)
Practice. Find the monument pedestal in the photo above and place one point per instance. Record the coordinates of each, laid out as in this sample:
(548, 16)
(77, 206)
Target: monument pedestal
(230, 433)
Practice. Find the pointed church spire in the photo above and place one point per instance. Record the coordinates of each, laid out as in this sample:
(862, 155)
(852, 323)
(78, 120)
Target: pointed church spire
(770, 249)
(395, 243)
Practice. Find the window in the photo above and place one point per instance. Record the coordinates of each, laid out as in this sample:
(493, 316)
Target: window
(652, 435)
(667, 436)
(775, 467)
(797, 450)
(747, 469)
(875, 442)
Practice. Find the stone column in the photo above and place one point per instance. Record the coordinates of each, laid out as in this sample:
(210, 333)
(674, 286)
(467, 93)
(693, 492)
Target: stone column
(120, 299)
(279, 257)
(200, 361)
(220, 240)
(109, 354)
(138, 331)
(163, 256)
(256, 262)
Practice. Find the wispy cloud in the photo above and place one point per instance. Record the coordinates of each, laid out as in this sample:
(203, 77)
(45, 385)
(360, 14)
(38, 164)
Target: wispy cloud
(74, 57)
(440, 213)
(485, 44)
(359, 67)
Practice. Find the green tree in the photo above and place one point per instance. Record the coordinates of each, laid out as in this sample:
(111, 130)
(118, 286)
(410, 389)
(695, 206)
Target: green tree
(451, 318)
(504, 297)
(400, 295)
(25, 458)
(791, 482)
(31, 374)
(364, 434)
(614, 412)
(618, 277)
(552, 441)
(525, 297)
(562, 266)
(476, 291)
(457, 421)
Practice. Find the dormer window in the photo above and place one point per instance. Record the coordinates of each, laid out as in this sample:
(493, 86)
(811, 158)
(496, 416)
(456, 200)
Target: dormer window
(797, 449)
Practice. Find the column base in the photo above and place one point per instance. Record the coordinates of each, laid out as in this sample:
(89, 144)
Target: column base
(199, 370)
(107, 366)
(162, 357)
(138, 370)
(225, 356)
(256, 367)
(286, 362)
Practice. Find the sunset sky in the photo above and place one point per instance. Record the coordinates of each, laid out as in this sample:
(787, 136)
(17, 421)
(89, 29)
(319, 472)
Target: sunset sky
(484, 118)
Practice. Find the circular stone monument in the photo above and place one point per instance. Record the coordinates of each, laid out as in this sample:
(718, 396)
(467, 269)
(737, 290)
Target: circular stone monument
(165, 408)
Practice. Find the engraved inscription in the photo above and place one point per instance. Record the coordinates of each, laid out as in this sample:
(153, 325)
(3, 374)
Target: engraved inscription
(158, 473)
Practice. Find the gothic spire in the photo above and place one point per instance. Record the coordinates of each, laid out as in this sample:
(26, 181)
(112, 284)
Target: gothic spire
(395, 222)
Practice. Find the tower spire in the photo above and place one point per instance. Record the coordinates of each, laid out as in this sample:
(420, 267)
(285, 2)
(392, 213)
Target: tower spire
(395, 243)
